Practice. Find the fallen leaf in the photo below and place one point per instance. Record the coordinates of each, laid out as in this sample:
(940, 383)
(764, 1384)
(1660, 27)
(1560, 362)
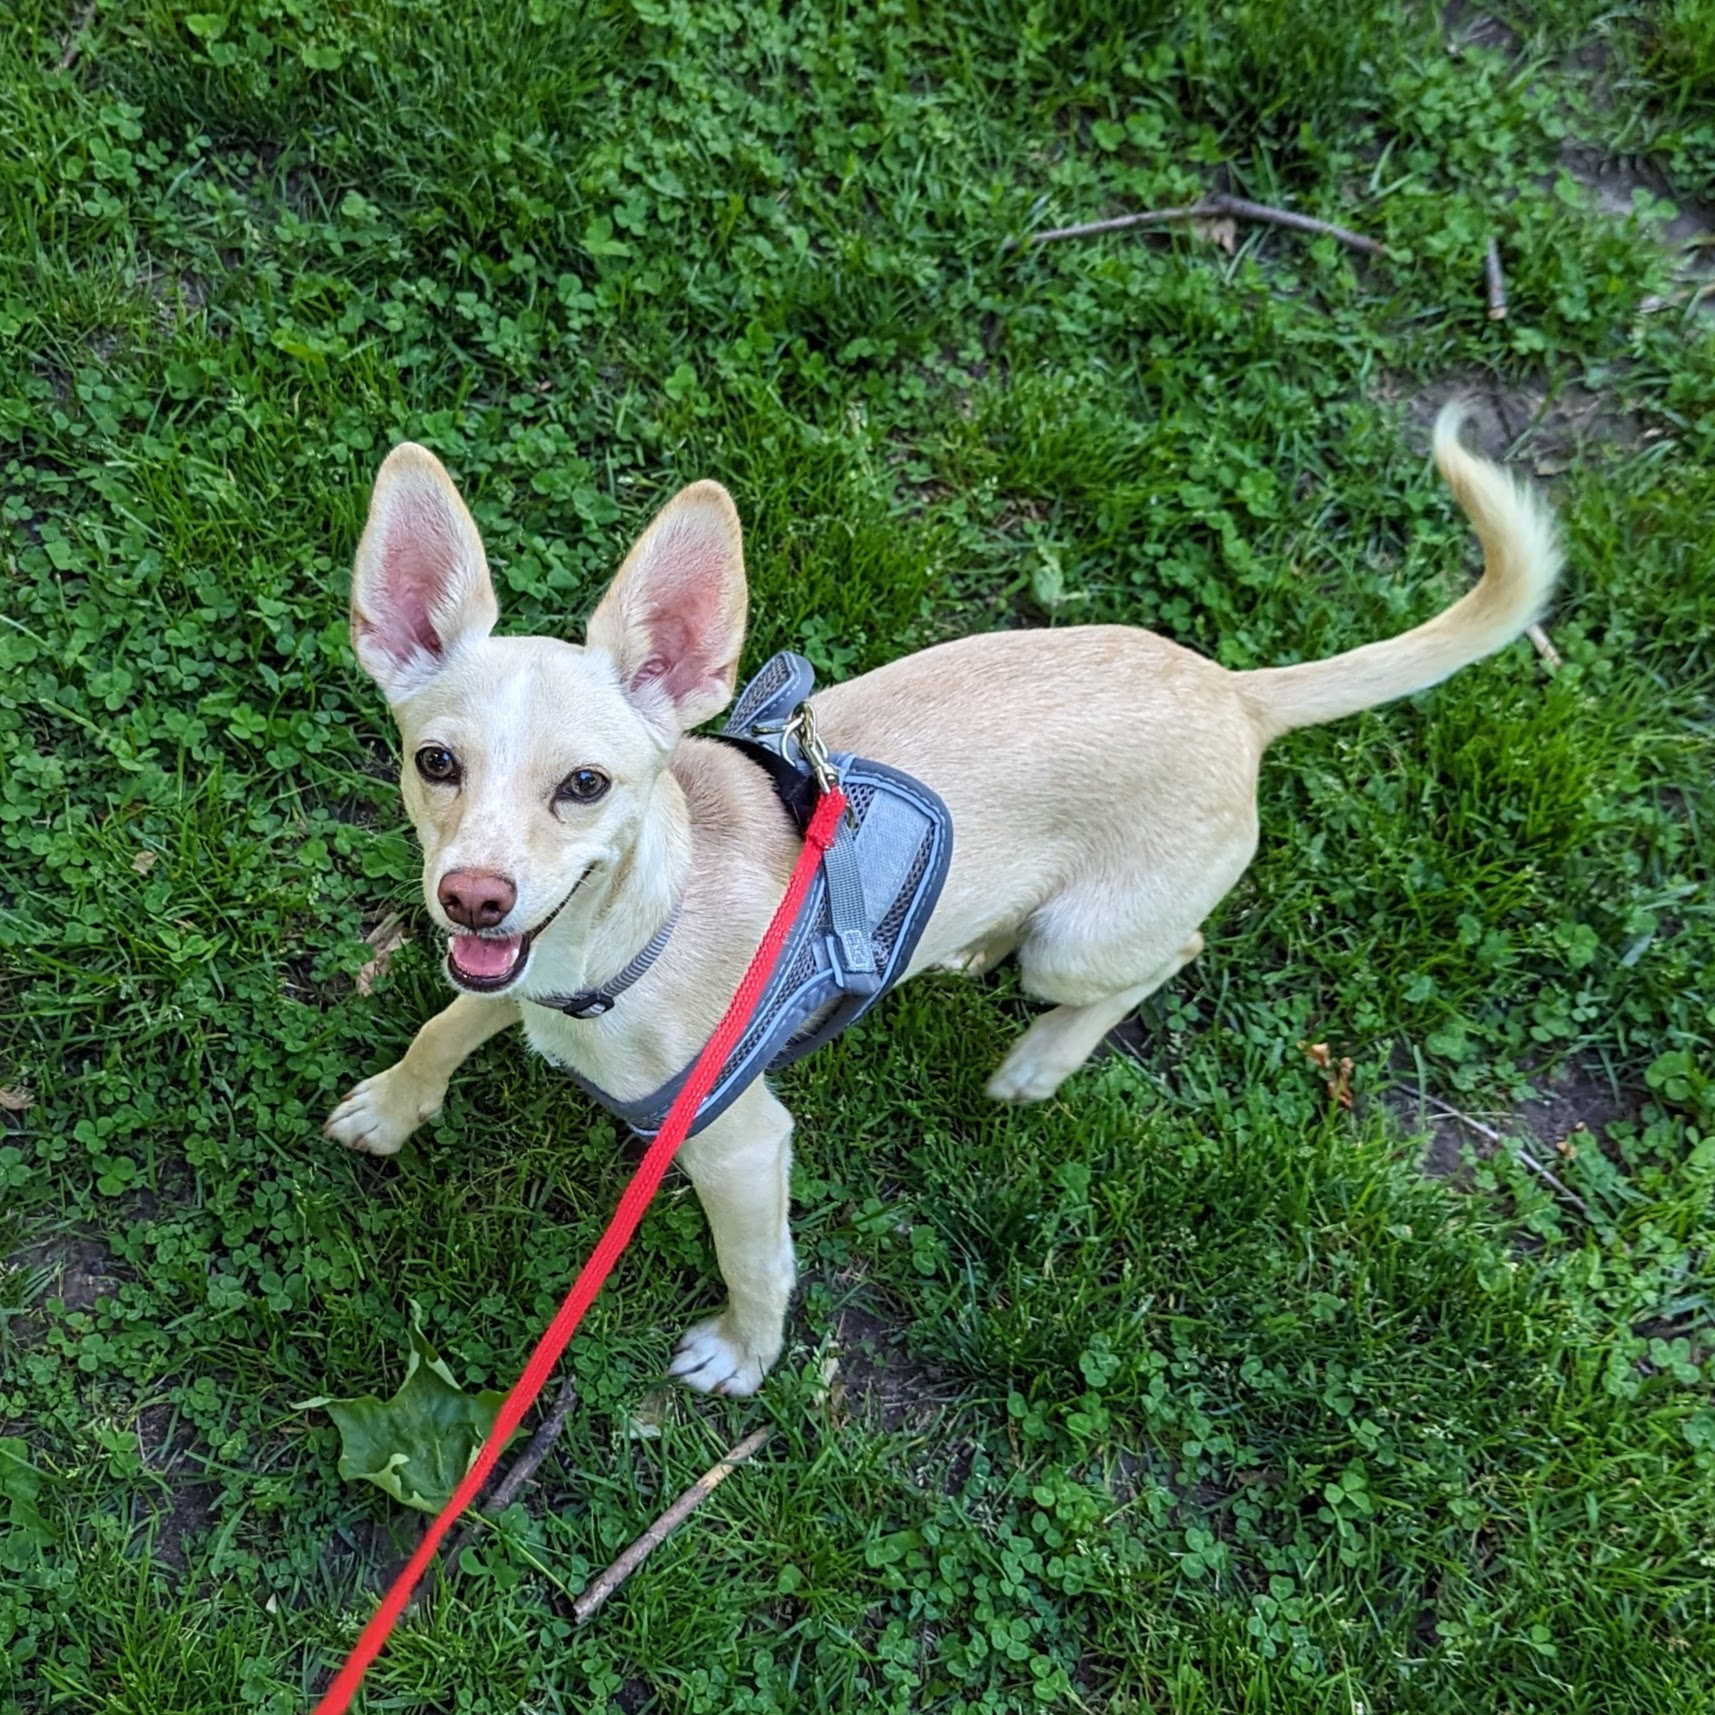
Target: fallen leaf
(828, 1389)
(1340, 1084)
(419, 1444)
(1337, 1078)
(145, 861)
(387, 937)
(17, 1101)
(1223, 231)
(653, 1410)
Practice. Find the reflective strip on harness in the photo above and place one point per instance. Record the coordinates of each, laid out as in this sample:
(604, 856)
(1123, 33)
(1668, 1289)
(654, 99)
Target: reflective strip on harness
(866, 910)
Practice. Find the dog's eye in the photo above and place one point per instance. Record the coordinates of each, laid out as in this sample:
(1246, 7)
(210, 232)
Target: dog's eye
(435, 762)
(582, 786)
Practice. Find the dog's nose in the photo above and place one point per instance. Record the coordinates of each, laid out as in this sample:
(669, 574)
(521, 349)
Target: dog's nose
(476, 898)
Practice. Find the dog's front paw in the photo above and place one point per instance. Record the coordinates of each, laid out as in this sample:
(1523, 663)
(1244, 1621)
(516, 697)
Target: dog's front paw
(381, 1113)
(712, 1358)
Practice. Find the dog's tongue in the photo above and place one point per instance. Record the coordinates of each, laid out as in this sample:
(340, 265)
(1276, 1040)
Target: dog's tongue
(478, 957)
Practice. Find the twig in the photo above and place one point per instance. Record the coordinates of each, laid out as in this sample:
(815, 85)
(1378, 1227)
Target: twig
(1210, 208)
(1545, 648)
(1495, 281)
(74, 42)
(507, 1490)
(541, 1444)
(1513, 1148)
(604, 1586)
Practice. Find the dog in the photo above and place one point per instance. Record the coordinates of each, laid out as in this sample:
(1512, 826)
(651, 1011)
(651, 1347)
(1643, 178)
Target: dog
(1101, 782)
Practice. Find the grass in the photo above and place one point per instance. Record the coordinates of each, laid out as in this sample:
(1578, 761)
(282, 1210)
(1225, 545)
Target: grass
(1189, 1391)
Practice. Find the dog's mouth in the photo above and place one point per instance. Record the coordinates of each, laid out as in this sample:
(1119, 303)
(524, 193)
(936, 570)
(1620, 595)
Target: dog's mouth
(486, 964)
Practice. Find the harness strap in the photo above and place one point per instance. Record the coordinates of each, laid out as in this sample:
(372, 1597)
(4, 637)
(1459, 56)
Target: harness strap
(592, 1003)
(846, 906)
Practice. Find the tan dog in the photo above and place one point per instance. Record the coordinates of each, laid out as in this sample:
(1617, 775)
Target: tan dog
(1101, 780)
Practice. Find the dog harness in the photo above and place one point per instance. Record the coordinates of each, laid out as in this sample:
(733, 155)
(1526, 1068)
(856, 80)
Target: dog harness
(866, 910)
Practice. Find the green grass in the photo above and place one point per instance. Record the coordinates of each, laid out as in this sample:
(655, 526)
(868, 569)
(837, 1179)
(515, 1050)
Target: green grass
(1188, 1391)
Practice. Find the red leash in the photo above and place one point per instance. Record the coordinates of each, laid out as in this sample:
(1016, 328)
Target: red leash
(817, 838)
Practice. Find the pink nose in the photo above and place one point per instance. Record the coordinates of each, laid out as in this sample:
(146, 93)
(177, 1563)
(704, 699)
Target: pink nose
(476, 898)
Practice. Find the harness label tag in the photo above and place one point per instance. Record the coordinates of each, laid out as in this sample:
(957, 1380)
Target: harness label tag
(854, 944)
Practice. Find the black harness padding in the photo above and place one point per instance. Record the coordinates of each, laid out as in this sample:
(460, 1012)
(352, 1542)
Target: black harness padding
(795, 789)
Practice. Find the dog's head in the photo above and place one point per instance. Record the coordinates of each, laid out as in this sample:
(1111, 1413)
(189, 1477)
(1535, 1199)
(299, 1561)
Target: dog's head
(530, 764)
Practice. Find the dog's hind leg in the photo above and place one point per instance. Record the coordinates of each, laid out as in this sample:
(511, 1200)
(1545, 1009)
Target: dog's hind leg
(1059, 1042)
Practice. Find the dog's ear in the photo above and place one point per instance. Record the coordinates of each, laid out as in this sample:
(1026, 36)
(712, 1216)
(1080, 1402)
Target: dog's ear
(420, 585)
(673, 620)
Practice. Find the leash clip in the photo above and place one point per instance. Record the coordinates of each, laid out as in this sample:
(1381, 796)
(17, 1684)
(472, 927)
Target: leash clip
(801, 729)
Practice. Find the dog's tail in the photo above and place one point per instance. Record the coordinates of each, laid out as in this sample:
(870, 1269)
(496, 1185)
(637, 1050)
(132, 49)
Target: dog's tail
(1521, 560)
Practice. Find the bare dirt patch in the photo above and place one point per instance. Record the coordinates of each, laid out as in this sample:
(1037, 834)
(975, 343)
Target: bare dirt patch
(1614, 182)
(72, 1267)
(876, 1379)
(166, 1450)
(1471, 27)
(1551, 427)
(1577, 1100)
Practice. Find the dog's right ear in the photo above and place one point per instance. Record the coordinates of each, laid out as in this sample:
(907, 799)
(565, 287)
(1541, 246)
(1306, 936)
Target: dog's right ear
(420, 585)
(672, 621)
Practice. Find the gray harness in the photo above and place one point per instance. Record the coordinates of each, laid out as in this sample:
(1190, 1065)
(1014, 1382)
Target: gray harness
(866, 910)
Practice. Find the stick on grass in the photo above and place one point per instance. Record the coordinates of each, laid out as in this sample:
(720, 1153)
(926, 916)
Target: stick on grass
(1514, 1148)
(1544, 646)
(1495, 282)
(1210, 208)
(74, 42)
(610, 1580)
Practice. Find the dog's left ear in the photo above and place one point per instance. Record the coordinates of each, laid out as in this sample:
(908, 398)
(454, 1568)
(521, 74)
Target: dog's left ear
(673, 620)
(420, 585)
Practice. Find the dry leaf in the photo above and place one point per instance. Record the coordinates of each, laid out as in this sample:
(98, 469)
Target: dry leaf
(653, 1410)
(16, 1101)
(1224, 232)
(387, 937)
(1337, 1078)
(143, 862)
(1340, 1085)
(828, 1391)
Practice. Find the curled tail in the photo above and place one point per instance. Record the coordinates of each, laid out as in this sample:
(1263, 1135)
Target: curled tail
(1521, 560)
